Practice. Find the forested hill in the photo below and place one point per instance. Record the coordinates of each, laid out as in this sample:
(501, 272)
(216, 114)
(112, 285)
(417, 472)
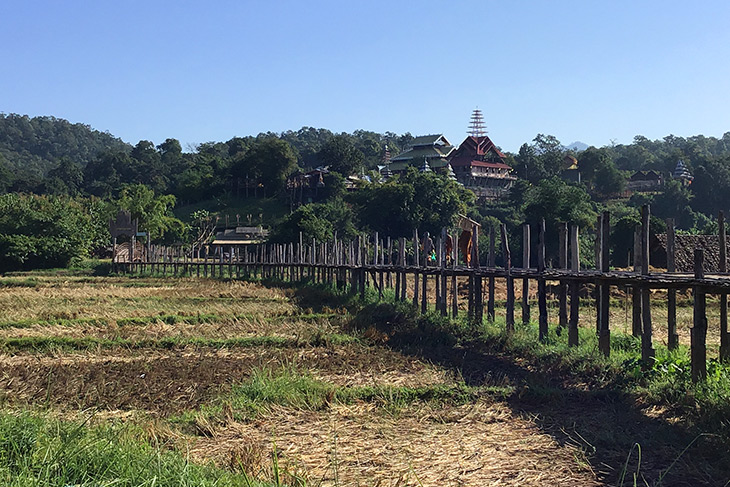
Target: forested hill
(30, 147)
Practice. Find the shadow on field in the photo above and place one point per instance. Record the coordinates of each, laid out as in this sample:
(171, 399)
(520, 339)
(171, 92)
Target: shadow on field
(623, 443)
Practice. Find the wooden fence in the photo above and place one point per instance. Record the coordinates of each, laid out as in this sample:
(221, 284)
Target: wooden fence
(386, 263)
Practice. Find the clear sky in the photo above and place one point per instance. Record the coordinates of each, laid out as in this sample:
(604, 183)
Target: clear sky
(207, 71)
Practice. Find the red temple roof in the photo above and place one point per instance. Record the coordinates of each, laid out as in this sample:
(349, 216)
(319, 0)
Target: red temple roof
(476, 149)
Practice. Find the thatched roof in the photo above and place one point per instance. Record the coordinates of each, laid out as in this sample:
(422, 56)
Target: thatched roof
(685, 246)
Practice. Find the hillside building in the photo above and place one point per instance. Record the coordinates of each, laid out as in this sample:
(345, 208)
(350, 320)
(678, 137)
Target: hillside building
(479, 165)
(645, 181)
(433, 149)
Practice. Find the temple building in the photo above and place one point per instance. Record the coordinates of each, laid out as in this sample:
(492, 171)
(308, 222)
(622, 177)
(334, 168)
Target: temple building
(479, 165)
(434, 150)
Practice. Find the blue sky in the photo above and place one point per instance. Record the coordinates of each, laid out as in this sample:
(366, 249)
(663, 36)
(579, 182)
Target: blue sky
(207, 71)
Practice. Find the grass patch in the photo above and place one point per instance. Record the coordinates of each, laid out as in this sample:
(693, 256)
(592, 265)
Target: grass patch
(293, 388)
(36, 450)
(666, 382)
(55, 322)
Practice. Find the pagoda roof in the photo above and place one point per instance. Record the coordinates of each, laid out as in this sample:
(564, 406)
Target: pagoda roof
(480, 145)
(430, 152)
(433, 139)
(645, 175)
(476, 149)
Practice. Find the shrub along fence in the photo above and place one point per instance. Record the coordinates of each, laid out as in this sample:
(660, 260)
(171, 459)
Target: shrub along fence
(380, 263)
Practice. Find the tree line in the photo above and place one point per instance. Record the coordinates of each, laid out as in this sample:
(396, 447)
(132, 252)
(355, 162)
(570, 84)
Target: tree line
(44, 161)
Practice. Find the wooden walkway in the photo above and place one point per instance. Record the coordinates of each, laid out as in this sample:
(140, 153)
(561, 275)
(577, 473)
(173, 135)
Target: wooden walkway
(411, 268)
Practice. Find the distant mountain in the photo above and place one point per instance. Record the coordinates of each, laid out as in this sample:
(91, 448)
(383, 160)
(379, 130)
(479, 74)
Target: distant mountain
(577, 146)
(30, 147)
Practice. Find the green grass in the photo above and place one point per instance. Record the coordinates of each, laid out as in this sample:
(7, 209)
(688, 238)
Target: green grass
(292, 388)
(665, 382)
(40, 451)
(54, 322)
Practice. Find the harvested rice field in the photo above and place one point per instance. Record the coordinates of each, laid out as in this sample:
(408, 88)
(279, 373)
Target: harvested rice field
(251, 380)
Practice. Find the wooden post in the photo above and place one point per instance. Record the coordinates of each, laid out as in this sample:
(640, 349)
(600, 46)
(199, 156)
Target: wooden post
(356, 265)
(132, 244)
(402, 265)
(510, 311)
(388, 261)
(424, 290)
(114, 254)
(541, 287)
(454, 283)
(363, 260)
(724, 337)
(598, 255)
(437, 277)
(478, 295)
(699, 328)
(416, 252)
(636, 290)
(442, 264)
(604, 333)
(376, 253)
(491, 283)
(563, 288)
(525, 265)
(647, 350)
(672, 336)
(574, 299)
(399, 264)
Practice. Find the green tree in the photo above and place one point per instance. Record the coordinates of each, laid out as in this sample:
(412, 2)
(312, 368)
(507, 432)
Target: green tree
(341, 155)
(103, 176)
(674, 202)
(6, 175)
(557, 201)
(66, 178)
(154, 212)
(270, 161)
(609, 180)
(316, 220)
(414, 200)
(42, 231)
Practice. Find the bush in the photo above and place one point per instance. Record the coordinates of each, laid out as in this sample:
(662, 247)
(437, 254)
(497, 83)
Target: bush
(42, 231)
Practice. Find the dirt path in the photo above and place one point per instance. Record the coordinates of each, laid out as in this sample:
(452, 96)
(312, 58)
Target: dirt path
(474, 445)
